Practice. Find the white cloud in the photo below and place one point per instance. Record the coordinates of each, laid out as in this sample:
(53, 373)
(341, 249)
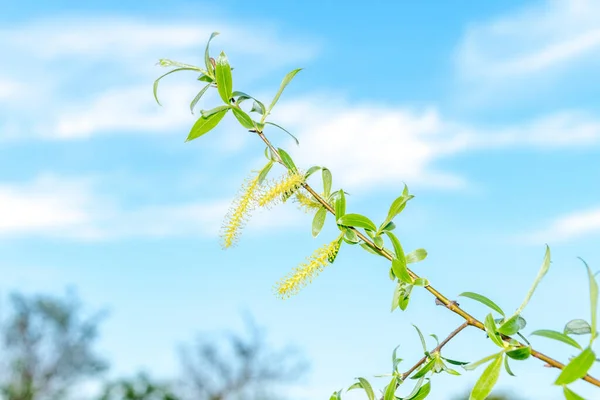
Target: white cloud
(372, 144)
(53, 206)
(568, 227)
(548, 35)
(93, 75)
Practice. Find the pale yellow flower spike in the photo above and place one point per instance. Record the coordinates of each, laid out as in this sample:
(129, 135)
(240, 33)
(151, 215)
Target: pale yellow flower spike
(303, 274)
(307, 202)
(240, 209)
(280, 190)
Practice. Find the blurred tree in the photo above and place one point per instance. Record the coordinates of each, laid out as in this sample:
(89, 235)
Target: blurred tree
(47, 348)
(239, 368)
(141, 387)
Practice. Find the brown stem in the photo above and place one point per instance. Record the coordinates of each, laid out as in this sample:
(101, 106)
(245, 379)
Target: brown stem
(451, 305)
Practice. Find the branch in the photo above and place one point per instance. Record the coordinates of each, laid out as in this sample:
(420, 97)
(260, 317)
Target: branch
(451, 305)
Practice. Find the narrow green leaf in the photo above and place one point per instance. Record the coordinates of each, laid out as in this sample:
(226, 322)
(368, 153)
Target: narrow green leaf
(197, 98)
(336, 395)
(364, 384)
(286, 80)
(208, 113)
(243, 118)
(285, 130)
(416, 256)
(484, 300)
(513, 325)
(577, 368)
(398, 250)
(258, 107)
(318, 221)
(390, 226)
(369, 249)
(204, 125)
(424, 369)
(209, 66)
(395, 359)
(543, 270)
(405, 296)
(557, 336)
(340, 204)
(454, 362)
(486, 382)
(421, 282)
(398, 205)
(155, 86)
(223, 78)
(357, 221)
(264, 172)
(473, 365)
(593, 302)
(326, 182)
(287, 160)
(490, 328)
(571, 395)
(422, 393)
(311, 171)
(400, 271)
(422, 339)
(507, 367)
(396, 297)
(378, 240)
(351, 235)
(521, 353)
(391, 389)
(577, 327)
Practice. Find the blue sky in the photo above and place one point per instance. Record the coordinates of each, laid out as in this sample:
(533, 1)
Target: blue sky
(489, 112)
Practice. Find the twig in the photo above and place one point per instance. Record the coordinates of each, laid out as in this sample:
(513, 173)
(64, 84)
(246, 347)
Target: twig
(451, 305)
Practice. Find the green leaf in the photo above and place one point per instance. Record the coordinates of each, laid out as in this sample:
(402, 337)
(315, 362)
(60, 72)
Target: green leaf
(223, 77)
(390, 226)
(577, 327)
(422, 393)
(391, 389)
(311, 171)
(364, 384)
(378, 240)
(405, 295)
(155, 86)
(593, 302)
(396, 297)
(473, 365)
(285, 130)
(398, 250)
(286, 80)
(208, 113)
(357, 221)
(287, 160)
(257, 107)
(577, 368)
(557, 336)
(264, 172)
(421, 282)
(507, 367)
(454, 362)
(197, 98)
(326, 182)
(513, 325)
(490, 328)
(422, 339)
(424, 369)
(484, 385)
(351, 235)
(520, 353)
(318, 221)
(243, 118)
(395, 359)
(205, 78)
(571, 395)
(340, 204)
(204, 125)
(400, 271)
(484, 300)
(398, 205)
(543, 270)
(369, 249)
(209, 66)
(416, 256)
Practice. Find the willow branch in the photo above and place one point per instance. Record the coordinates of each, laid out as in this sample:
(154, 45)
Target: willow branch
(451, 305)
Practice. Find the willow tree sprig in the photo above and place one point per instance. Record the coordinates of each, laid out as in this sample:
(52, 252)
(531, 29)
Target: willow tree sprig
(359, 229)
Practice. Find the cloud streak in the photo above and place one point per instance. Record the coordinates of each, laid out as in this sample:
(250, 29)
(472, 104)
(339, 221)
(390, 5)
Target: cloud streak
(568, 227)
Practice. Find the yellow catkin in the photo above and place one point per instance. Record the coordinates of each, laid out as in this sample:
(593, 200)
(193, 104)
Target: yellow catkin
(281, 190)
(306, 202)
(303, 274)
(238, 213)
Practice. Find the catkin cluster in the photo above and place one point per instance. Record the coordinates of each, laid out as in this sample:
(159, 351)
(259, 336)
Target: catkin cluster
(280, 190)
(239, 212)
(304, 273)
